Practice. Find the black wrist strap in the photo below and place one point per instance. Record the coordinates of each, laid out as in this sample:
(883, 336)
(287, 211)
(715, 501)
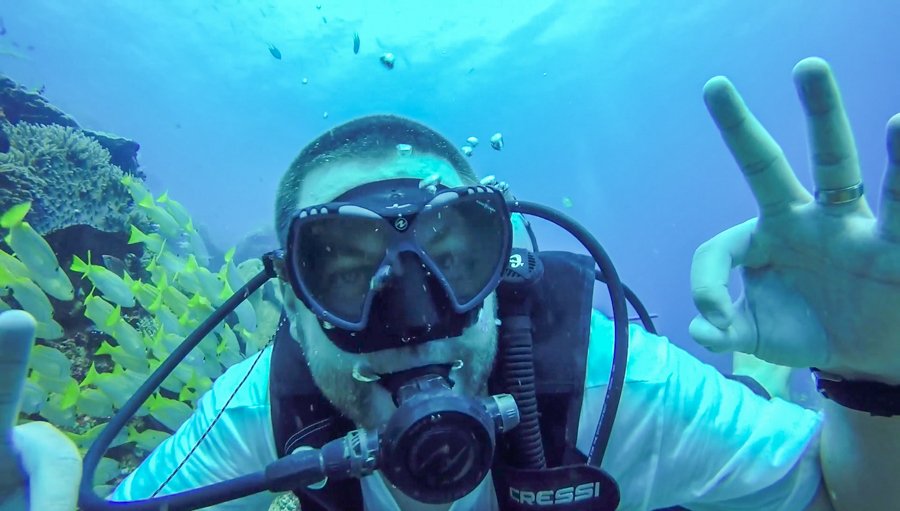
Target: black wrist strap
(875, 398)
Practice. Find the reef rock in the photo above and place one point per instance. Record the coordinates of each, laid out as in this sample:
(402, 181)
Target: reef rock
(72, 176)
(19, 104)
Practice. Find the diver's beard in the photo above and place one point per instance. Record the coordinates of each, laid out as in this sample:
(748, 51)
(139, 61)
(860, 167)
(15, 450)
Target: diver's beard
(369, 404)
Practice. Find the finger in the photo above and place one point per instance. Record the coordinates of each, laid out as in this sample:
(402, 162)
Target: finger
(740, 336)
(16, 338)
(53, 465)
(759, 157)
(889, 210)
(711, 269)
(834, 161)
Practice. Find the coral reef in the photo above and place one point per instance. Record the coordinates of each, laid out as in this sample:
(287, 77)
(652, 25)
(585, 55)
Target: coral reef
(18, 104)
(66, 175)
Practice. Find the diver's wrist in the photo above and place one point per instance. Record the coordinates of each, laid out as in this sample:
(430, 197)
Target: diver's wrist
(877, 398)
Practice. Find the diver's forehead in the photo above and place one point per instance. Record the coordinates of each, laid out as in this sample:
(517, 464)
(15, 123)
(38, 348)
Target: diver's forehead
(326, 182)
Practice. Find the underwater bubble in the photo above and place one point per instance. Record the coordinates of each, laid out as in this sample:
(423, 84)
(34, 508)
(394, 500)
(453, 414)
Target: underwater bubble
(472, 141)
(497, 141)
(466, 150)
(404, 149)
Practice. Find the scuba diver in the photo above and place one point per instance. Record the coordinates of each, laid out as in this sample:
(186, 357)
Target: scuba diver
(427, 358)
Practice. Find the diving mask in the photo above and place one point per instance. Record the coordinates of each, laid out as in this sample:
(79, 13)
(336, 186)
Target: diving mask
(393, 262)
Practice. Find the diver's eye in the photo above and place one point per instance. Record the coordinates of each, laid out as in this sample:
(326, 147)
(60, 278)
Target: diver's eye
(446, 260)
(350, 277)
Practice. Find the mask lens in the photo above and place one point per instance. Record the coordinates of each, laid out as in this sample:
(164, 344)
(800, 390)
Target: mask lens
(335, 260)
(464, 238)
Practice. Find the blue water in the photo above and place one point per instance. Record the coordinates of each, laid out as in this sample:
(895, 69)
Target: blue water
(599, 102)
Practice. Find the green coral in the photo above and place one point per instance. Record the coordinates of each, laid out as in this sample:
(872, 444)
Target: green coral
(66, 175)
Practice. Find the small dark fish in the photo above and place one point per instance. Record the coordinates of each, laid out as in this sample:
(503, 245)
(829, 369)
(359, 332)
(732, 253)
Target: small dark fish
(114, 264)
(2, 27)
(4, 142)
(325, 21)
(42, 90)
(355, 42)
(275, 51)
(387, 60)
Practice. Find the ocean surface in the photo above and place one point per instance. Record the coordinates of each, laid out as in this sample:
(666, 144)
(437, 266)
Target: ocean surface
(599, 102)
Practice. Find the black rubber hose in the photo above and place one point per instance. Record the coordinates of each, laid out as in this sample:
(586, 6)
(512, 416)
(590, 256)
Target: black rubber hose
(620, 321)
(518, 378)
(635, 302)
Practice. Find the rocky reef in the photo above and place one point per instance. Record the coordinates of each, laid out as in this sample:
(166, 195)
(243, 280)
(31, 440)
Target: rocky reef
(18, 104)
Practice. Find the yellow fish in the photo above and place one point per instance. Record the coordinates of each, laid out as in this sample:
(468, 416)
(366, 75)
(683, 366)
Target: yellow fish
(124, 358)
(111, 285)
(58, 415)
(169, 412)
(84, 440)
(144, 292)
(148, 439)
(28, 294)
(152, 242)
(172, 383)
(35, 253)
(33, 397)
(99, 310)
(175, 210)
(94, 403)
(167, 225)
(136, 189)
(125, 334)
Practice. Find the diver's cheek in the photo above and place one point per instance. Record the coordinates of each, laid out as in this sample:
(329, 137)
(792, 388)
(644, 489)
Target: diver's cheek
(293, 308)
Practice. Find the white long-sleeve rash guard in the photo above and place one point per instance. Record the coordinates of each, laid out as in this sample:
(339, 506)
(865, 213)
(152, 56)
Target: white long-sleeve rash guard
(684, 435)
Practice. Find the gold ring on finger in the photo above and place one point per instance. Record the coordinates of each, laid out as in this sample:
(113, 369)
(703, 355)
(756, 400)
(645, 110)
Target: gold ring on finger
(839, 195)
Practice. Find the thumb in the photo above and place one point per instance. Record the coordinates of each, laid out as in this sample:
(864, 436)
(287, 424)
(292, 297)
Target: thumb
(710, 271)
(53, 465)
(16, 339)
(740, 334)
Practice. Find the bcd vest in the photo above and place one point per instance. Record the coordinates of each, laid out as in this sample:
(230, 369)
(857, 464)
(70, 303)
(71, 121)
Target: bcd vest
(302, 416)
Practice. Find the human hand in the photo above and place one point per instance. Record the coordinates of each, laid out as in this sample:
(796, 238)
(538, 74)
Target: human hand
(40, 468)
(821, 275)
